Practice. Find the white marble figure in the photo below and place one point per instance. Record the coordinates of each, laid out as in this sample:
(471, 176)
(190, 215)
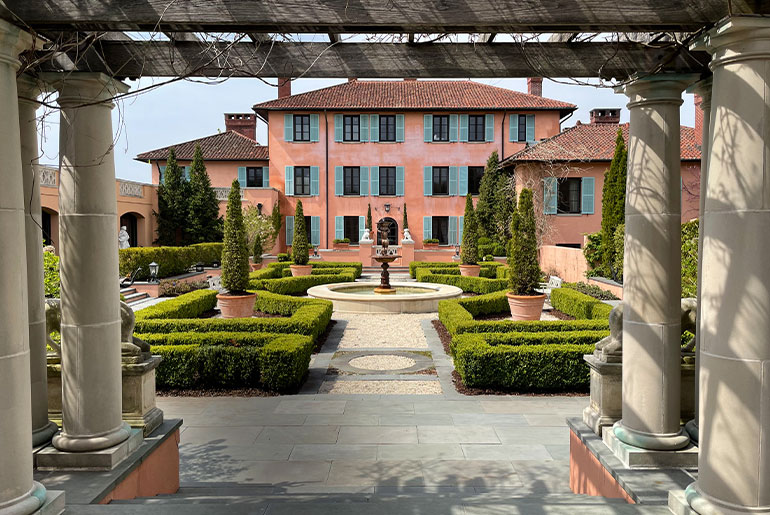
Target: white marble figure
(366, 238)
(123, 238)
(407, 236)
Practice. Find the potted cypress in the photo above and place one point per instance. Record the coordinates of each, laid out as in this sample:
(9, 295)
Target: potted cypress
(257, 250)
(300, 248)
(525, 303)
(235, 301)
(469, 250)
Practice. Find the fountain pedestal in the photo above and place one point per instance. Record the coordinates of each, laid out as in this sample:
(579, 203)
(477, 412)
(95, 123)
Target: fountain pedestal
(385, 287)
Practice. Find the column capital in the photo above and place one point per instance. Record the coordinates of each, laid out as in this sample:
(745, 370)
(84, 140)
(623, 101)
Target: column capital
(656, 89)
(13, 41)
(79, 88)
(737, 39)
(29, 88)
(702, 88)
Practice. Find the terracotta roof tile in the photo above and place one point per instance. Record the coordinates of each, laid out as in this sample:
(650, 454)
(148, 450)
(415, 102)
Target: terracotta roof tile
(414, 94)
(225, 146)
(592, 142)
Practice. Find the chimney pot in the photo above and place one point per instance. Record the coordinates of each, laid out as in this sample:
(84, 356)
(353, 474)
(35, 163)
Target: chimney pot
(535, 86)
(605, 115)
(242, 123)
(284, 87)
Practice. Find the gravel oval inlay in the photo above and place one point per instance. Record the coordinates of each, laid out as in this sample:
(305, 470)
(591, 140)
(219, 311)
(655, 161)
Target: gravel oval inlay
(382, 362)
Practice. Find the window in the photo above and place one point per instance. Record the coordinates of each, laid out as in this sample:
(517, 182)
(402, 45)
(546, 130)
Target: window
(441, 229)
(352, 229)
(308, 228)
(568, 196)
(474, 179)
(301, 127)
(254, 177)
(387, 180)
(392, 231)
(351, 128)
(440, 180)
(522, 128)
(302, 180)
(441, 128)
(476, 127)
(352, 180)
(388, 127)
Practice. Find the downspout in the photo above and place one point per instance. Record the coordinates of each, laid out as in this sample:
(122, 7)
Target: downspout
(502, 143)
(326, 178)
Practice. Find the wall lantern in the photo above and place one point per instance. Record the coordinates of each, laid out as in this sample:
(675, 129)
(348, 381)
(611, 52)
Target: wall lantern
(387, 208)
(154, 271)
(457, 250)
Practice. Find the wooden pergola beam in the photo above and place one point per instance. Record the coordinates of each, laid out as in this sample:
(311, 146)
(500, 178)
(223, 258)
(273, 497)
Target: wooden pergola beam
(378, 60)
(376, 16)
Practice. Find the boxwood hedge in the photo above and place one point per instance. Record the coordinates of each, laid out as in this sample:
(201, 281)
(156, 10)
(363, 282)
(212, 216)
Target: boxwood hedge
(579, 305)
(485, 267)
(478, 285)
(171, 260)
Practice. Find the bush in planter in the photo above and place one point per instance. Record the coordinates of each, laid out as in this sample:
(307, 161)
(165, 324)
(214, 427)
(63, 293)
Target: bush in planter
(525, 270)
(235, 257)
(469, 252)
(300, 247)
(341, 240)
(431, 241)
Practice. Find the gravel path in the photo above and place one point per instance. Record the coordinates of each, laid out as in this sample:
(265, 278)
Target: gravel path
(382, 387)
(385, 331)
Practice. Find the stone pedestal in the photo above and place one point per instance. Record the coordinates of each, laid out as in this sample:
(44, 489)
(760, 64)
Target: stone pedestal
(51, 458)
(365, 252)
(606, 405)
(139, 408)
(407, 252)
(636, 457)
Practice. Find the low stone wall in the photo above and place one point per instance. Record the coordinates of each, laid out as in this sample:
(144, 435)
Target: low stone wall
(606, 285)
(564, 262)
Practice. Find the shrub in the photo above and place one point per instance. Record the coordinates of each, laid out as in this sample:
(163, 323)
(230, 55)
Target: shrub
(189, 305)
(487, 268)
(173, 207)
(522, 259)
(454, 312)
(235, 257)
(256, 249)
(171, 288)
(283, 257)
(690, 259)
(299, 285)
(485, 207)
(516, 338)
(618, 241)
(203, 220)
(579, 305)
(171, 260)
(469, 252)
(207, 253)
(492, 248)
(51, 275)
(466, 284)
(430, 240)
(341, 240)
(591, 290)
(592, 251)
(354, 265)
(300, 247)
(258, 224)
(531, 326)
(613, 205)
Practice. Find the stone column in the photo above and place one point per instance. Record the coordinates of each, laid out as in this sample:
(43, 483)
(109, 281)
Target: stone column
(702, 89)
(42, 428)
(19, 494)
(734, 418)
(652, 264)
(91, 372)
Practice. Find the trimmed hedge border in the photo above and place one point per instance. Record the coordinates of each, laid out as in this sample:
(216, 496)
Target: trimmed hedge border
(357, 265)
(543, 337)
(172, 260)
(278, 279)
(492, 265)
(189, 305)
(579, 305)
(478, 285)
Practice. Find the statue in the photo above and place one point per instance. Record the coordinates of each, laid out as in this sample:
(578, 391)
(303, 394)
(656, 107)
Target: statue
(123, 238)
(407, 236)
(689, 322)
(132, 349)
(384, 229)
(366, 238)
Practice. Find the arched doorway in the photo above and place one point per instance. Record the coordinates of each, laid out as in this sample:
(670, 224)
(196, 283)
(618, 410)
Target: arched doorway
(392, 231)
(129, 220)
(49, 222)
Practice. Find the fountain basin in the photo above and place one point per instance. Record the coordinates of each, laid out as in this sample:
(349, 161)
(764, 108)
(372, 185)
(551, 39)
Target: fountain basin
(359, 297)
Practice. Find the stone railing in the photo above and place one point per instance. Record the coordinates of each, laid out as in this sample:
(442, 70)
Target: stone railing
(48, 177)
(224, 193)
(131, 189)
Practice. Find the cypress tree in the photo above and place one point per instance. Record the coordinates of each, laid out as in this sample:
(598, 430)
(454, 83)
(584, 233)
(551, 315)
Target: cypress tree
(204, 224)
(485, 207)
(300, 247)
(505, 205)
(525, 271)
(405, 223)
(275, 218)
(469, 250)
(172, 204)
(235, 255)
(369, 218)
(256, 249)
(613, 204)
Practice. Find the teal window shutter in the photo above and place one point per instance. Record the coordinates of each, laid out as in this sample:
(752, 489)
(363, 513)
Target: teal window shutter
(463, 128)
(186, 170)
(313, 127)
(289, 181)
(242, 176)
(363, 181)
(161, 174)
(288, 127)
(265, 176)
(315, 230)
(427, 127)
(463, 181)
(363, 125)
(315, 181)
(513, 127)
(337, 127)
(453, 230)
(452, 127)
(339, 227)
(530, 128)
(587, 201)
(289, 230)
(400, 128)
(550, 190)
(489, 127)
(427, 227)
(374, 130)
(427, 181)
(453, 180)
(460, 230)
(338, 185)
(374, 182)
(361, 227)
(399, 181)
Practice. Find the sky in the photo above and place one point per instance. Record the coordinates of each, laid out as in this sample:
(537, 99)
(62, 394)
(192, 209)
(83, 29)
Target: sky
(186, 110)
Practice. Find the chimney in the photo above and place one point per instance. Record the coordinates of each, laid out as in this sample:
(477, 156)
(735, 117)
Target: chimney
(698, 120)
(284, 87)
(410, 79)
(605, 115)
(535, 86)
(242, 123)
(352, 79)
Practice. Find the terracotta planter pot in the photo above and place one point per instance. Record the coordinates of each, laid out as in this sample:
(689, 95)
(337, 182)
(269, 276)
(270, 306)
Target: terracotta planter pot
(300, 270)
(430, 246)
(470, 270)
(255, 266)
(237, 306)
(342, 246)
(525, 307)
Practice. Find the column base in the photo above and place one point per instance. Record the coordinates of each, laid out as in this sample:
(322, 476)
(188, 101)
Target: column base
(51, 458)
(67, 443)
(649, 441)
(693, 430)
(638, 457)
(43, 435)
(53, 505)
(31, 502)
(691, 501)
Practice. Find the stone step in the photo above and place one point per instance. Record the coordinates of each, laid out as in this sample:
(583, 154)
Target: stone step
(132, 298)
(127, 291)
